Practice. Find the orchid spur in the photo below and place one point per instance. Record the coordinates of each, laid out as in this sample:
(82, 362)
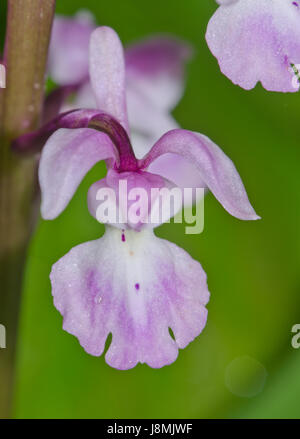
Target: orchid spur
(257, 40)
(129, 282)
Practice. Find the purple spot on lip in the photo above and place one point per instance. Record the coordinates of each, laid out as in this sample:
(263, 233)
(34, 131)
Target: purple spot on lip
(295, 4)
(137, 286)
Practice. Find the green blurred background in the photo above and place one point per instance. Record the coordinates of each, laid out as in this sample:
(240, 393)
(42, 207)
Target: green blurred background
(243, 364)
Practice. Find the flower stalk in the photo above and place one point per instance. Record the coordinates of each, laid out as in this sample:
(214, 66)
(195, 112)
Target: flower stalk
(25, 57)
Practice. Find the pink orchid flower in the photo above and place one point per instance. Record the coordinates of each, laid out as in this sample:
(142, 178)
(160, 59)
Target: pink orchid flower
(129, 282)
(257, 40)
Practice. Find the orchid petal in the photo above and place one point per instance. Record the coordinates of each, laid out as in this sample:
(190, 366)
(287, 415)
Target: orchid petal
(177, 169)
(155, 69)
(98, 296)
(172, 167)
(107, 73)
(215, 169)
(257, 40)
(66, 158)
(68, 51)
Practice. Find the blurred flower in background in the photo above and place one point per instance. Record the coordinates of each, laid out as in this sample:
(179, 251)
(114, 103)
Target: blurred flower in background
(257, 40)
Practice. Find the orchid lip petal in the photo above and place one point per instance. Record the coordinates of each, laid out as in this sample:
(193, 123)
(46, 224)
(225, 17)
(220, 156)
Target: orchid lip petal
(97, 297)
(216, 170)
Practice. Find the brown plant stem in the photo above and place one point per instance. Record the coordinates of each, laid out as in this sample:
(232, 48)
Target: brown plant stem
(25, 56)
